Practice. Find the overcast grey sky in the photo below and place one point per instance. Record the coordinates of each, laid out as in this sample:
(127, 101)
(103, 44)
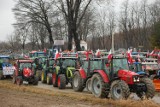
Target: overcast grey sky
(6, 18)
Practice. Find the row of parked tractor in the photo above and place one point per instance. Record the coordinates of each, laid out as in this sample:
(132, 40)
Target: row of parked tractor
(102, 73)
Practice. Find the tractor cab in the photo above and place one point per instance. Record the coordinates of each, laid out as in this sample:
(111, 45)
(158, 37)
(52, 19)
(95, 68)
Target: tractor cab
(24, 72)
(65, 67)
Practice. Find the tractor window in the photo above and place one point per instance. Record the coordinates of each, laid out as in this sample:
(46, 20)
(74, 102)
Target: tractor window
(40, 54)
(85, 65)
(137, 67)
(25, 65)
(120, 64)
(68, 63)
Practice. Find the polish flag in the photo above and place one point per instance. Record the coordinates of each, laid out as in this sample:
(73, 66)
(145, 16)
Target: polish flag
(110, 55)
(98, 53)
(57, 54)
(129, 56)
(152, 52)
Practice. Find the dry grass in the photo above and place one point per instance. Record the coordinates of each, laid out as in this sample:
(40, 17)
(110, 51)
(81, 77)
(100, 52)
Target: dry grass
(93, 100)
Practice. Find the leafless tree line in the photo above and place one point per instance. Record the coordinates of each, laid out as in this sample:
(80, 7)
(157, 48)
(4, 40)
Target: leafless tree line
(40, 22)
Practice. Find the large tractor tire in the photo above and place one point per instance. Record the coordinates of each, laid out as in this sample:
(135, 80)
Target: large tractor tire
(14, 78)
(49, 80)
(61, 81)
(150, 92)
(54, 79)
(38, 74)
(88, 85)
(99, 87)
(36, 79)
(1, 75)
(119, 90)
(19, 80)
(77, 82)
(43, 77)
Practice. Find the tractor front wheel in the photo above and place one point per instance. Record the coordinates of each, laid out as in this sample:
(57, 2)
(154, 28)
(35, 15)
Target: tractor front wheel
(19, 80)
(88, 85)
(54, 79)
(98, 86)
(150, 89)
(36, 79)
(77, 82)
(119, 90)
(43, 77)
(61, 81)
(49, 79)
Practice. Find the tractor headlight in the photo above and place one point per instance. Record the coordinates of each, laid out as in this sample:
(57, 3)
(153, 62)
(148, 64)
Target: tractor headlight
(136, 79)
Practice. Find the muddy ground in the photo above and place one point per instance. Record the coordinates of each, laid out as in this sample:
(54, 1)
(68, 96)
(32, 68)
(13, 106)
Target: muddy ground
(12, 98)
(44, 95)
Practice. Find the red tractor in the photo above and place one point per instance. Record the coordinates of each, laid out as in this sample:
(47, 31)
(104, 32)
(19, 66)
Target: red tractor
(24, 72)
(103, 77)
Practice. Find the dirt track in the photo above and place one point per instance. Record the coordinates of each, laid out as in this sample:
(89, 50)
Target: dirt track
(42, 95)
(156, 98)
(10, 98)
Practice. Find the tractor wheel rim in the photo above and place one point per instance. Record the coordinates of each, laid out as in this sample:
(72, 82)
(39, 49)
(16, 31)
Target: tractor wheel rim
(42, 77)
(47, 79)
(117, 91)
(75, 81)
(59, 81)
(97, 86)
(89, 85)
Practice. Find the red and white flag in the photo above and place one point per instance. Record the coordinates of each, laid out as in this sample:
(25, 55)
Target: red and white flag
(57, 54)
(98, 54)
(129, 56)
(110, 55)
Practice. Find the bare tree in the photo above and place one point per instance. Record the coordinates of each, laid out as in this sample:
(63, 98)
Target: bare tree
(34, 11)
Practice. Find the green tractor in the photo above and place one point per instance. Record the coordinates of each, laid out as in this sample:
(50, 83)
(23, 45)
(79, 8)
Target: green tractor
(39, 64)
(64, 70)
(46, 75)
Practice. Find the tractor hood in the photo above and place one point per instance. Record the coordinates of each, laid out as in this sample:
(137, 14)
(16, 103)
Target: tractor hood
(128, 76)
(27, 72)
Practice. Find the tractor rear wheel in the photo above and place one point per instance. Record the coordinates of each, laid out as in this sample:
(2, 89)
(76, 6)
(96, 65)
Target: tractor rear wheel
(14, 78)
(98, 86)
(36, 79)
(49, 79)
(77, 82)
(119, 90)
(43, 77)
(54, 79)
(19, 80)
(1, 75)
(38, 74)
(150, 92)
(88, 85)
(61, 81)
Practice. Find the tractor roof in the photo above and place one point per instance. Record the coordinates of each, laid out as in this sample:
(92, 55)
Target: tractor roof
(4, 56)
(25, 61)
(33, 51)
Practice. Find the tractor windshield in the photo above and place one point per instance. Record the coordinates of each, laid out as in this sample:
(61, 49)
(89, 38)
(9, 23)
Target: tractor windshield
(137, 67)
(25, 65)
(40, 54)
(120, 63)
